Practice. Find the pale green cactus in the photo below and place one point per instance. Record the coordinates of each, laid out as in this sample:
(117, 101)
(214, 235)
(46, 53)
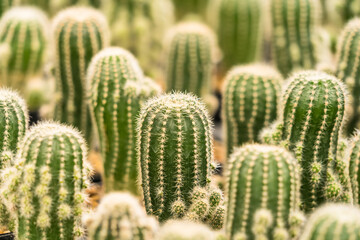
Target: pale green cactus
(349, 9)
(7, 4)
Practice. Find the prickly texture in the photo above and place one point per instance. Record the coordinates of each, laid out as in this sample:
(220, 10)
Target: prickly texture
(175, 152)
(117, 88)
(263, 193)
(294, 34)
(349, 9)
(353, 158)
(348, 65)
(185, 7)
(6, 4)
(333, 222)
(251, 94)
(23, 45)
(119, 216)
(44, 188)
(191, 52)
(79, 34)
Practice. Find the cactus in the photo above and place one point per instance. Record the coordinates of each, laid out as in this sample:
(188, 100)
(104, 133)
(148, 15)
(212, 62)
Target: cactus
(349, 9)
(263, 194)
(191, 49)
(79, 34)
(23, 45)
(348, 63)
(333, 222)
(44, 187)
(119, 216)
(238, 26)
(251, 94)
(294, 34)
(175, 152)
(186, 7)
(353, 158)
(117, 89)
(6, 4)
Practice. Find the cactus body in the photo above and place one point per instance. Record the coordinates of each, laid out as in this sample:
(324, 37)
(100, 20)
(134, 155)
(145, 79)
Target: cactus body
(175, 152)
(349, 9)
(251, 94)
(117, 89)
(333, 222)
(44, 188)
(185, 7)
(79, 34)
(348, 64)
(262, 193)
(353, 158)
(119, 216)
(191, 49)
(23, 45)
(294, 34)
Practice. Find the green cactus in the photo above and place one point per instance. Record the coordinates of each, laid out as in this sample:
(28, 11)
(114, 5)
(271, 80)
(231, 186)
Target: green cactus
(263, 194)
(79, 34)
(119, 216)
(238, 26)
(44, 187)
(251, 94)
(191, 50)
(23, 45)
(7, 4)
(117, 89)
(185, 7)
(175, 152)
(333, 222)
(348, 63)
(294, 34)
(349, 9)
(353, 158)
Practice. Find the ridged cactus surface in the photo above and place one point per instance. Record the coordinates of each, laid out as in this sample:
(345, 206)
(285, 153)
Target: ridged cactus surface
(79, 33)
(353, 159)
(175, 152)
(251, 95)
(6, 5)
(117, 88)
(263, 194)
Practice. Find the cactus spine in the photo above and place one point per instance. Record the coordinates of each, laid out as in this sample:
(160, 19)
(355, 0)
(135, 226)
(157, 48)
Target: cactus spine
(175, 152)
(23, 44)
(262, 193)
(44, 188)
(117, 89)
(79, 34)
(191, 50)
(251, 94)
(348, 64)
(119, 216)
(294, 25)
(333, 222)
(353, 158)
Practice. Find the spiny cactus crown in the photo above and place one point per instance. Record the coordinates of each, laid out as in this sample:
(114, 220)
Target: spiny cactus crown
(349, 8)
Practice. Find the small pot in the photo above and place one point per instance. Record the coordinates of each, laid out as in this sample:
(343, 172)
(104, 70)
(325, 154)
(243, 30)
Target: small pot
(7, 236)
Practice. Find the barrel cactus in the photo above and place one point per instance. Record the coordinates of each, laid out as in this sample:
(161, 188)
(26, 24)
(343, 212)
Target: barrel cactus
(251, 94)
(44, 188)
(186, 7)
(117, 88)
(263, 196)
(349, 9)
(23, 45)
(79, 33)
(174, 152)
(333, 222)
(119, 216)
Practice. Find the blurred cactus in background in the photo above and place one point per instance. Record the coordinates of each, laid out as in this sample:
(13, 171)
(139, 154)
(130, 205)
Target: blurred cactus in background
(185, 7)
(349, 9)
(353, 158)
(79, 34)
(7, 4)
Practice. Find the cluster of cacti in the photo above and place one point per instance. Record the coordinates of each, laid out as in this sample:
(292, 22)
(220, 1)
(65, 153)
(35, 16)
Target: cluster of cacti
(251, 95)
(349, 9)
(263, 194)
(79, 33)
(23, 45)
(118, 217)
(117, 88)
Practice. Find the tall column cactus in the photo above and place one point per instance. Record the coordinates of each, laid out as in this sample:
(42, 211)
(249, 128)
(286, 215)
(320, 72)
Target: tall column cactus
(349, 9)
(175, 152)
(263, 194)
(251, 94)
(294, 34)
(23, 45)
(6, 4)
(45, 187)
(117, 88)
(348, 64)
(79, 34)
(353, 158)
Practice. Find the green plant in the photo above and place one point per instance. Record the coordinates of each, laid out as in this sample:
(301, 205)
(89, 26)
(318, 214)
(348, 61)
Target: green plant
(251, 95)
(263, 194)
(174, 152)
(6, 4)
(333, 222)
(79, 34)
(117, 88)
(44, 188)
(185, 7)
(349, 9)
(353, 158)
(118, 217)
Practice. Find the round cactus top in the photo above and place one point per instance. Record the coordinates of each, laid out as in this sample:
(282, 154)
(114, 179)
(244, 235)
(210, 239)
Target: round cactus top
(353, 24)
(146, 87)
(258, 69)
(7, 95)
